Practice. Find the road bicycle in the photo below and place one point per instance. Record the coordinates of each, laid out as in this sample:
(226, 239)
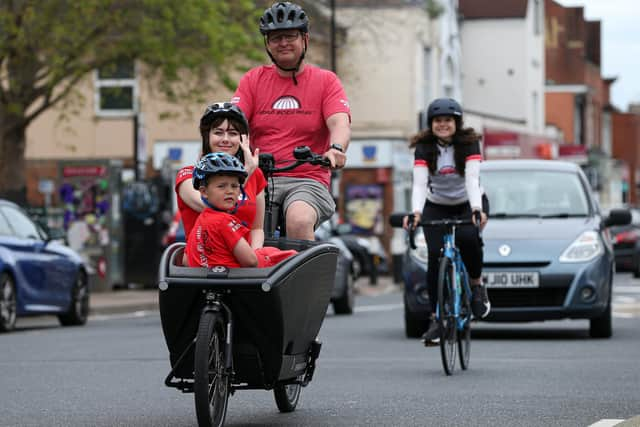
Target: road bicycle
(453, 311)
(255, 328)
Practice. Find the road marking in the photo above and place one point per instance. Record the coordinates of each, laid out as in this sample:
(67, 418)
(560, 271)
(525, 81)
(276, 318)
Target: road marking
(131, 315)
(379, 307)
(627, 289)
(606, 423)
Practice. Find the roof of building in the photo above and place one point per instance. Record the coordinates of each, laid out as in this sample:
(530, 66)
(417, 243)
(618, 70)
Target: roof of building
(492, 9)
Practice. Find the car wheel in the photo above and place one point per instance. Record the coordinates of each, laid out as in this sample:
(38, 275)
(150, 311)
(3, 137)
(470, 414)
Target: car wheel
(79, 307)
(601, 327)
(8, 303)
(413, 326)
(344, 303)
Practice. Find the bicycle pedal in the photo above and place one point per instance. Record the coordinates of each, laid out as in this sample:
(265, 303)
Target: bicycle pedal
(431, 343)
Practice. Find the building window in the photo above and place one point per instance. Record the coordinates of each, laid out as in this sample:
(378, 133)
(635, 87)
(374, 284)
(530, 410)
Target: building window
(116, 89)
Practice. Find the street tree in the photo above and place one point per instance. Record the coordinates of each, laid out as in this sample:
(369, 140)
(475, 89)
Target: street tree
(48, 47)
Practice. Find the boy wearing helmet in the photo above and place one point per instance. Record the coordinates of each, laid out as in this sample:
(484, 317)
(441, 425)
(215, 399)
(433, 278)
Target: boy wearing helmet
(446, 183)
(218, 237)
(289, 104)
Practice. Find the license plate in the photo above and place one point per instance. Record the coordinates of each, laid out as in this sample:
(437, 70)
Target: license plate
(511, 279)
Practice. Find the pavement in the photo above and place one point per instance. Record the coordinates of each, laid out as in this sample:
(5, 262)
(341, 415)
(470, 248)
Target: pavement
(137, 300)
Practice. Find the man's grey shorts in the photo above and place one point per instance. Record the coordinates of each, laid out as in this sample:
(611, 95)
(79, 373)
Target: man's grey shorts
(288, 190)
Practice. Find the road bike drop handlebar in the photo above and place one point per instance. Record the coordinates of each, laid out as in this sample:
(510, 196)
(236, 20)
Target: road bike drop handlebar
(395, 220)
(267, 164)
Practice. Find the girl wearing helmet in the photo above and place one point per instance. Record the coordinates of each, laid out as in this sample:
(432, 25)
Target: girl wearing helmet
(224, 128)
(446, 183)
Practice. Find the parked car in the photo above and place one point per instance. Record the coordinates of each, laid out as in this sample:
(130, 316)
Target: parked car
(547, 250)
(38, 274)
(347, 270)
(626, 244)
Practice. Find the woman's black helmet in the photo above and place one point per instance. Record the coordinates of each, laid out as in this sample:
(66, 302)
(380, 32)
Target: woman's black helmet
(217, 164)
(226, 110)
(444, 107)
(284, 15)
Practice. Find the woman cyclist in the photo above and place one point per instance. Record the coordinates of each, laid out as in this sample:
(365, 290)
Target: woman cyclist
(446, 184)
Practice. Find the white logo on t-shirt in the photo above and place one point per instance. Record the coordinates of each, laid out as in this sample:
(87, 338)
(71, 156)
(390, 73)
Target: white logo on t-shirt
(286, 102)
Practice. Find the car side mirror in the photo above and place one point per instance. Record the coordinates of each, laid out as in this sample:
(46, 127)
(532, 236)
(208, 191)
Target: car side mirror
(618, 217)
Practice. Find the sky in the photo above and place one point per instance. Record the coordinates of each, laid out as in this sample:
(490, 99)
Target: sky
(619, 45)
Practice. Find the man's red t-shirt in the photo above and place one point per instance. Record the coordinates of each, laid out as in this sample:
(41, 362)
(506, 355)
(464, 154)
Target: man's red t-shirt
(246, 212)
(283, 116)
(213, 238)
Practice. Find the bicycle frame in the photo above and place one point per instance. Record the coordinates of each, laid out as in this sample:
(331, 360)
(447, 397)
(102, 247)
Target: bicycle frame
(450, 251)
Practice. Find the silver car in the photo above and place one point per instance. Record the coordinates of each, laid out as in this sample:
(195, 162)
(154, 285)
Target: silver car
(548, 253)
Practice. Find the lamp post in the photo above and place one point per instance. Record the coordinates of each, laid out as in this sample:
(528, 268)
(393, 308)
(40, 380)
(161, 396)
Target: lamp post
(333, 35)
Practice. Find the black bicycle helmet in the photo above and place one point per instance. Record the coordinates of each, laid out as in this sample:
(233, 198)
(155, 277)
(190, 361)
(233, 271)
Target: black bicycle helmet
(226, 110)
(284, 15)
(444, 107)
(217, 163)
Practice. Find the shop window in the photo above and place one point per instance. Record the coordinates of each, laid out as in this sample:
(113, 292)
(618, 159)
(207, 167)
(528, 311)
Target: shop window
(116, 89)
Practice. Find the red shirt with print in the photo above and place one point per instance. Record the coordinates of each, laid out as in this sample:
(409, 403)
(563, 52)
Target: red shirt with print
(246, 212)
(213, 238)
(283, 116)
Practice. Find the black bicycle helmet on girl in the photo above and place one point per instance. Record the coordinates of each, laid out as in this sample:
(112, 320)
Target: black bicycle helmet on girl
(284, 15)
(444, 107)
(217, 164)
(226, 110)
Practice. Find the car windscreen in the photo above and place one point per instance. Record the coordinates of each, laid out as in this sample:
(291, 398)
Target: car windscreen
(534, 193)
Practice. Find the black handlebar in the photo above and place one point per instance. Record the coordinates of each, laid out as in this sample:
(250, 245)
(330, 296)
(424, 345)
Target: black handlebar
(395, 220)
(302, 155)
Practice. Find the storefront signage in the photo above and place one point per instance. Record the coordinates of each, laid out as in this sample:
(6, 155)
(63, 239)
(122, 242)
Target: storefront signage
(71, 171)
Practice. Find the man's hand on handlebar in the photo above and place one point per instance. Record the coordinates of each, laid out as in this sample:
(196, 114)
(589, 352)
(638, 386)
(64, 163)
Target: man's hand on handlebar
(336, 157)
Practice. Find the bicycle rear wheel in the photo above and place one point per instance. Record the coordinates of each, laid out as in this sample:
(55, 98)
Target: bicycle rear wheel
(464, 334)
(446, 318)
(211, 382)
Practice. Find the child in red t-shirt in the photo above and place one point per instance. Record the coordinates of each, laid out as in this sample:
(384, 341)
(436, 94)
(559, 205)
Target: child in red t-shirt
(218, 238)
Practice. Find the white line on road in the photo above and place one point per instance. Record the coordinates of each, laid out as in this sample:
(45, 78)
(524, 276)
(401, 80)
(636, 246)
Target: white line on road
(379, 307)
(627, 289)
(132, 315)
(606, 423)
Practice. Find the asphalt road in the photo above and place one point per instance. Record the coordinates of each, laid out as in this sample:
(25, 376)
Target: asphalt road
(111, 373)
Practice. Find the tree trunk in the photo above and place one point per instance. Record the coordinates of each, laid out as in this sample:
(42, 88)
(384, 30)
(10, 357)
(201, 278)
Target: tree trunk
(12, 165)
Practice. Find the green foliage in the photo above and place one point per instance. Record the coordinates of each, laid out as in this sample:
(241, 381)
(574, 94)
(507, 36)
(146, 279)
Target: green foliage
(46, 47)
(434, 8)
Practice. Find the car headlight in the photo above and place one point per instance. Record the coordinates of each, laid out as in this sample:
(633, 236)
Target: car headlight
(420, 253)
(585, 248)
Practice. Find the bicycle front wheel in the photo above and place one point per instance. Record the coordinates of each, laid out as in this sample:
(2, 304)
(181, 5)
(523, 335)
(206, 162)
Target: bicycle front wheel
(464, 334)
(210, 381)
(446, 315)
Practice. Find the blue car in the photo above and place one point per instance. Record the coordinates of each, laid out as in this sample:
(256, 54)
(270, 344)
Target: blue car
(38, 275)
(547, 249)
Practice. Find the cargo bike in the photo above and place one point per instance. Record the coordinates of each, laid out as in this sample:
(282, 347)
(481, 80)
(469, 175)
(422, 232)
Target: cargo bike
(245, 328)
